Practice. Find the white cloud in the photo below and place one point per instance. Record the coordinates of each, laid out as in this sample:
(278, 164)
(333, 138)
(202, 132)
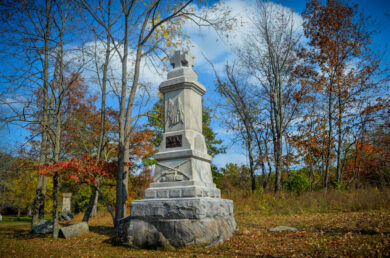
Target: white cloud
(208, 42)
(93, 53)
(219, 49)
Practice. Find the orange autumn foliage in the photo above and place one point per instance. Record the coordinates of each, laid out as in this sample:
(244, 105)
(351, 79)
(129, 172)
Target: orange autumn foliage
(80, 170)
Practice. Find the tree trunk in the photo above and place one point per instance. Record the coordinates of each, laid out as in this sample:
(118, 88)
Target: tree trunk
(251, 167)
(265, 176)
(39, 200)
(90, 204)
(278, 165)
(287, 156)
(261, 157)
(267, 159)
(19, 204)
(55, 206)
(357, 186)
(329, 145)
(94, 192)
(279, 134)
(104, 84)
(95, 205)
(91, 210)
(278, 146)
(123, 169)
(339, 144)
(121, 185)
(311, 175)
(58, 75)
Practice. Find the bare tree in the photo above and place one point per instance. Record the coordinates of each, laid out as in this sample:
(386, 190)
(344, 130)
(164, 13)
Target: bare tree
(269, 55)
(101, 71)
(26, 30)
(242, 113)
(347, 72)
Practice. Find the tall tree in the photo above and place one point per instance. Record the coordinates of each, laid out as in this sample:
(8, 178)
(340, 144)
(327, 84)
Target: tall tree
(242, 112)
(39, 200)
(270, 56)
(344, 70)
(104, 14)
(26, 34)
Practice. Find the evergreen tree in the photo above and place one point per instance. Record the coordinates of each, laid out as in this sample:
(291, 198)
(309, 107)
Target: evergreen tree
(156, 120)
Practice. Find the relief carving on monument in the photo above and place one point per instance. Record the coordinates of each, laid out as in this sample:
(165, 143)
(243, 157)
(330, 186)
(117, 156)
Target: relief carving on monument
(171, 174)
(175, 112)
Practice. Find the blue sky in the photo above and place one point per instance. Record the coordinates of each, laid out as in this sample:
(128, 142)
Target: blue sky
(379, 10)
(219, 51)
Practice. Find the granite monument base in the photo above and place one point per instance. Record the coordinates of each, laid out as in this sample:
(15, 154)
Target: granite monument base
(178, 222)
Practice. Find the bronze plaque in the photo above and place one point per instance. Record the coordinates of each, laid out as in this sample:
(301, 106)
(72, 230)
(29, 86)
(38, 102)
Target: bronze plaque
(173, 141)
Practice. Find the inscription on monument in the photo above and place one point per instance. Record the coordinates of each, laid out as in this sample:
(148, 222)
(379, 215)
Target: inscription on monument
(173, 141)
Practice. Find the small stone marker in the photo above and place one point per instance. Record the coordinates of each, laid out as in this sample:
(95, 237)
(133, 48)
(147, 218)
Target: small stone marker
(282, 229)
(74, 230)
(66, 213)
(65, 216)
(66, 201)
(1, 217)
(182, 206)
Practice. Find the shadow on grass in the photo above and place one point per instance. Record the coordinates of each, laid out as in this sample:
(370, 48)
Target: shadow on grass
(19, 233)
(23, 233)
(353, 231)
(103, 230)
(106, 231)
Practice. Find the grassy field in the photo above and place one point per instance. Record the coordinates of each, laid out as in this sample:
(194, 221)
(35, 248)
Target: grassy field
(331, 233)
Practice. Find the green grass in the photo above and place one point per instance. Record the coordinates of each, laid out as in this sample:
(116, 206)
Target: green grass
(15, 219)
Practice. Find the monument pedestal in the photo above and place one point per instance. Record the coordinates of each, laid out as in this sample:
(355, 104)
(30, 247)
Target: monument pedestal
(182, 207)
(178, 222)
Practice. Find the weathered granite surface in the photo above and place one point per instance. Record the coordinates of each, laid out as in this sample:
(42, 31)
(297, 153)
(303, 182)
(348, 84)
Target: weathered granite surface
(178, 223)
(74, 230)
(281, 229)
(66, 212)
(45, 227)
(65, 216)
(183, 208)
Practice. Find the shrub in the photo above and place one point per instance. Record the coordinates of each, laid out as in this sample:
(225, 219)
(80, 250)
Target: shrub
(297, 182)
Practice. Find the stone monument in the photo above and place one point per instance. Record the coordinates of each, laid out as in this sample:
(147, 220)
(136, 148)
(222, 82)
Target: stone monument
(182, 206)
(66, 212)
